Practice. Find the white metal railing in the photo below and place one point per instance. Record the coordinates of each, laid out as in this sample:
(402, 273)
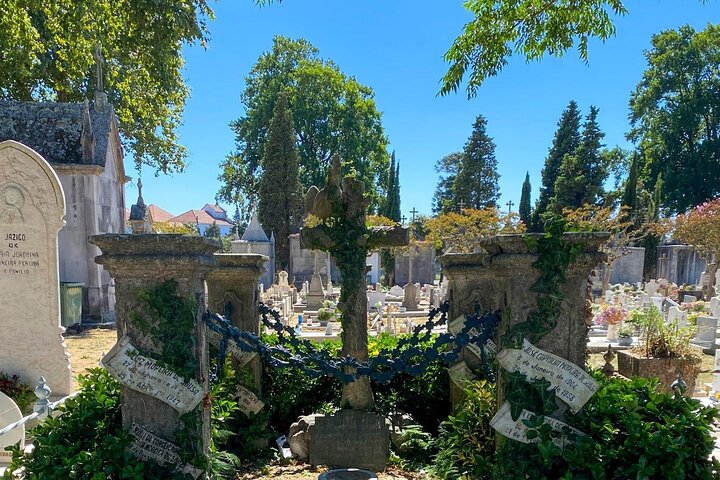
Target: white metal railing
(42, 407)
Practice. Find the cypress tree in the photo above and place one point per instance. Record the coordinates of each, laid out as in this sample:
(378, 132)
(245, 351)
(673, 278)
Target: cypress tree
(524, 208)
(630, 198)
(391, 211)
(280, 197)
(581, 174)
(565, 142)
(476, 183)
(444, 198)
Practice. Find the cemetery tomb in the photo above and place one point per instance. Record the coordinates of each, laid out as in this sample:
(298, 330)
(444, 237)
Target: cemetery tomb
(32, 207)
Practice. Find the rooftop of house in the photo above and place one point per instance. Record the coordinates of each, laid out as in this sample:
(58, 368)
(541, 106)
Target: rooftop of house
(63, 133)
(200, 217)
(157, 214)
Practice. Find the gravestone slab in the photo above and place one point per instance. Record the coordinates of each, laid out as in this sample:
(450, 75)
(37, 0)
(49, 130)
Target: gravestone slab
(10, 413)
(316, 295)
(410, 297)
(715, 307)
(32, 207)
(350, 438)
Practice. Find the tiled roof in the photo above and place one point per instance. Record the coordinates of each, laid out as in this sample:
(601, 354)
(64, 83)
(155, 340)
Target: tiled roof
(198, 216)
(157, 214)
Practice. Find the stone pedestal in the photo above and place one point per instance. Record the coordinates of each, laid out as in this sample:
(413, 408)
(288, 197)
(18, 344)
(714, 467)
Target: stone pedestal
(233, 293)
(500, 279)
(139, 263)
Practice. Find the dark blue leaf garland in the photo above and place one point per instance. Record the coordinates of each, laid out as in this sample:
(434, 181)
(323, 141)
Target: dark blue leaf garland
(406, 357)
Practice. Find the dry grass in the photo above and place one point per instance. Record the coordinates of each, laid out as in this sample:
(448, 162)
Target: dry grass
(297, 471)
(87, 348)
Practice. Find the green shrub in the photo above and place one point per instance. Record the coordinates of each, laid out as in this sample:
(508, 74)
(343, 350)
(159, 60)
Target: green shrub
(21, 393)
(466, 442)
(85, 442)
(632, 432)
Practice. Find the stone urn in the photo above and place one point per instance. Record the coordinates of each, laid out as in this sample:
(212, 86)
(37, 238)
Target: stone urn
(631, 364)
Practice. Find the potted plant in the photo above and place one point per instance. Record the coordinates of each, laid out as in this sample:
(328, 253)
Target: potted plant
(664, 352)
(611, 317)
(625, 335)
(326, 313)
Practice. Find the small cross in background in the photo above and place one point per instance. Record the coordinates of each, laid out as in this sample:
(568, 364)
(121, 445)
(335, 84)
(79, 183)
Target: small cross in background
(414, 212)
(403, 218)
(510, 205)
(462, 205)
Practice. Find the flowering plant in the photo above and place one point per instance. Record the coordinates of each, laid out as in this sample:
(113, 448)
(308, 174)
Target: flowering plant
(697, 306)
(611, 315)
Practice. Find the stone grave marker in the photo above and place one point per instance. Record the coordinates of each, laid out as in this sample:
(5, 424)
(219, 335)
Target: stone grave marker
(715, 307)
(316, 294)
(156, 399)
(652, 287)
(32, 207)
(706, 332)
(677, 316)
(410, 297)
(363, 438)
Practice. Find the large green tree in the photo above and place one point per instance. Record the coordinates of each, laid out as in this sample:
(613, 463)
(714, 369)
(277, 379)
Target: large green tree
(391, 205)
(582, 173)
(675, 114)
(46, 53)
(524, 209)
(476, 182)
(444, 198)
(566, 141)
(280, 195)
(332, 113)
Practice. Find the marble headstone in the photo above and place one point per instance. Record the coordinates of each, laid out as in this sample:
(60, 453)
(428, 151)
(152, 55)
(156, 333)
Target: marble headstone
(410, 299)
(9, 413)
(652, 287)
(32, 207)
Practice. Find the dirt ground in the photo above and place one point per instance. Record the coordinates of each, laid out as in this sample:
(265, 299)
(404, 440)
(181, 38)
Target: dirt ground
(305, 472)
(87, 348)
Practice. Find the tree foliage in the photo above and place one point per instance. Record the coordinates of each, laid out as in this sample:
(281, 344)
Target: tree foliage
(476, 182)
(701, 227)
(566, 141)
(461, 232)
(675, 113)
(582, 173)
(332, 113)
(447, 168)
(280, 195)
(391, 205)
(530, 28)
(47, 55)
(524, 209)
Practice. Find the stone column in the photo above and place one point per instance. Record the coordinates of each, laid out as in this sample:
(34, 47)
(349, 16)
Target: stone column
(139, 263)
(500, 279)
(233, 292)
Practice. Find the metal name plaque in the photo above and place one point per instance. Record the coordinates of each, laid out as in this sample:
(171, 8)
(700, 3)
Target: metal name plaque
(147, 446)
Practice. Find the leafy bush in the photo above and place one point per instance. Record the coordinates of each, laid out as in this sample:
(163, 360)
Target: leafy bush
(85, 442)
(466, 442)
(21, 393)
(631, 430)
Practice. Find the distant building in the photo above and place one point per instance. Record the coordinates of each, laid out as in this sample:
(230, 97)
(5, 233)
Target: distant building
(216, 212)
(82, 143)
(203, 220)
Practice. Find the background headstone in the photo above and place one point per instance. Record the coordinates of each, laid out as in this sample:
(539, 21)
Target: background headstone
(10, 413)
(32, 207)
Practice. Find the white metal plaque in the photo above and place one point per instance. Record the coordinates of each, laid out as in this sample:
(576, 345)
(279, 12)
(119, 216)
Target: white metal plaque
(237, 353)
(145, 375)
(147, 446)
(247, 401)
(460, 373)
(571, 383)
(503, 423)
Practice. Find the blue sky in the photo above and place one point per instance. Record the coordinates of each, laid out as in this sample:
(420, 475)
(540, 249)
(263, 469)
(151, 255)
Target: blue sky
(396, 47)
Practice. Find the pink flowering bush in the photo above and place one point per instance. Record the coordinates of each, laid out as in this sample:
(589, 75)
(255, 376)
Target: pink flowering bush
(611, 315)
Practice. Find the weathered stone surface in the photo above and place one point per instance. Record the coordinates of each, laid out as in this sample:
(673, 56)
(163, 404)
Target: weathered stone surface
(503, 275)
(32, 207)
(665, 369)
(233, 292)
(410, 297)
(350, 438)
(300, 434)
(139, 262)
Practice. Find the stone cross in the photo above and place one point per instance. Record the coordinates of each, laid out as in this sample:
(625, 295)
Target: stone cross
(341, 209)
(510, 204)
(97, 55)
(413, 212)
